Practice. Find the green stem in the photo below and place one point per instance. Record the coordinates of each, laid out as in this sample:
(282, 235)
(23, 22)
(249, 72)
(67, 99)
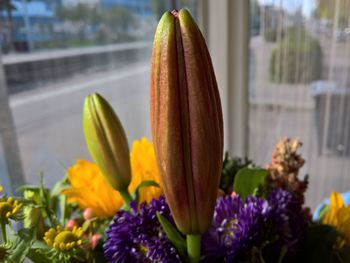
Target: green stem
(63, 209)
(193, 247)
(282, 254)
(126, 197)
(3, 231)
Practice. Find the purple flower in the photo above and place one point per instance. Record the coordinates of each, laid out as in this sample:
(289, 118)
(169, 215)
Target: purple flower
(137, 236)
(237, 228)
(289, 221)
(254, 228)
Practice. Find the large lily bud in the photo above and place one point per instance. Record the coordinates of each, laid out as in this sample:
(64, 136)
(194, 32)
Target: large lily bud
(106, 141)
(186, 121)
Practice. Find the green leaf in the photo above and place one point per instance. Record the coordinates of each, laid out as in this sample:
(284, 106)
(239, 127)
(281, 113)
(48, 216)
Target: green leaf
(247, 180)
(60, 186)
(320, 240)
(39, 252)
(40, 245)
(87, 223)
(28, 187)
(174, 236)
(38, 257)
(22, 244)
(146, 183)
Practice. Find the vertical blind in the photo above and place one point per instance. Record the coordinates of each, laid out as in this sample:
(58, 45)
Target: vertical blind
(299, 86)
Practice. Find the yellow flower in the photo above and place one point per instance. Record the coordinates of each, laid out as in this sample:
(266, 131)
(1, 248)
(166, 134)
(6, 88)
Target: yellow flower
(338, 216)
(144, 167)
(91, 190)
(1, 188)
(64, 239)
(10, 209)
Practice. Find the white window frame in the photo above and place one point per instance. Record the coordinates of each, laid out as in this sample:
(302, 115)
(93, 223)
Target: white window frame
(11, 173)
(225, 24)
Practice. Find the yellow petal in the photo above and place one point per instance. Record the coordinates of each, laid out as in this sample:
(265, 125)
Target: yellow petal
(336, 202)
(89, 189)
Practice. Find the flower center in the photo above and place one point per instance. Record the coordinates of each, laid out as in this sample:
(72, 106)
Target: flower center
(143, 249)
(229, 225)
(65, 237)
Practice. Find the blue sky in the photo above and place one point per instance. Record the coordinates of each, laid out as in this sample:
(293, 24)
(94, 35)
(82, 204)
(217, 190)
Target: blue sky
(292, 5)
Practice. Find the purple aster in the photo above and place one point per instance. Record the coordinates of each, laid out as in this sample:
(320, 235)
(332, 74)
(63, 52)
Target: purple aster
(244, 231)
(237, 227)
(289, 221)
(137, 236)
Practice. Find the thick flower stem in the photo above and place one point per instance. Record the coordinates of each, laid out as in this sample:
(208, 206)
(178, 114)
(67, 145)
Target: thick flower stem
(3, 231)
(126, 197)
(193, 248)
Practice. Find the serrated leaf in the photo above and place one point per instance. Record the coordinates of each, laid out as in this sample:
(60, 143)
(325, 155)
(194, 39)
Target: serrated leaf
(19, 253)
(38, 252)
(146, 183)
(38, 257)
(247, 180)
(174, 236)
(39, 245)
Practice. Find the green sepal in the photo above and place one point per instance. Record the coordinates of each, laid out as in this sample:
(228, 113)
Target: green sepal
(247, 180)
(174, 236)
(146, 183)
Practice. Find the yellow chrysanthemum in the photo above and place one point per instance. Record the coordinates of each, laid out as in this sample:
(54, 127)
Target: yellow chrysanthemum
(91, 190)
(10, 209)
(144, 167)
(338, 215)
(64, 239)
(1, 188)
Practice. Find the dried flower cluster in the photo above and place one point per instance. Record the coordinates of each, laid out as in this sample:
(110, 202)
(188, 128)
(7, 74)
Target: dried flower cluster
(284, 168)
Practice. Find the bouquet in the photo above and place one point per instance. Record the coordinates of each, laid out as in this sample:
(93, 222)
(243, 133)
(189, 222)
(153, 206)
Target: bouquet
(174, 200)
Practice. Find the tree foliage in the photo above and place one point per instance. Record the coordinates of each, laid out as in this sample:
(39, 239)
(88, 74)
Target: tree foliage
(330, 9)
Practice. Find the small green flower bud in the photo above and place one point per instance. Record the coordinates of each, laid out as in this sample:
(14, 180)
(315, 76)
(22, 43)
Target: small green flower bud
(106, 141)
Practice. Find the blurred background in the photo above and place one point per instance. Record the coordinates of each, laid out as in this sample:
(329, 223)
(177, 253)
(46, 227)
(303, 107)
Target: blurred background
(282, 67)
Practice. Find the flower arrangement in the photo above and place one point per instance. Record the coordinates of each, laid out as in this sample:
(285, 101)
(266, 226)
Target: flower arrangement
(174, 200)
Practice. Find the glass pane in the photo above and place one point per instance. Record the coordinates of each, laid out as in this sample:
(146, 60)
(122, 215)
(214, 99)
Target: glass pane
(56, 52)
(299, 86)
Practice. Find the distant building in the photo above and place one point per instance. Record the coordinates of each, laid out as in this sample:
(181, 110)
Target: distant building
(67, 3)
(32, 22)
(142, 8)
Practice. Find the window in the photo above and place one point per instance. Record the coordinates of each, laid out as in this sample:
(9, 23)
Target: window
(299, 86)
(57, 52)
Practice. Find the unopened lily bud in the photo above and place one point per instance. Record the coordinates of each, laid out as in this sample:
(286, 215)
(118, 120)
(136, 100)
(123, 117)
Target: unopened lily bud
(186, 121)
(106, 141)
